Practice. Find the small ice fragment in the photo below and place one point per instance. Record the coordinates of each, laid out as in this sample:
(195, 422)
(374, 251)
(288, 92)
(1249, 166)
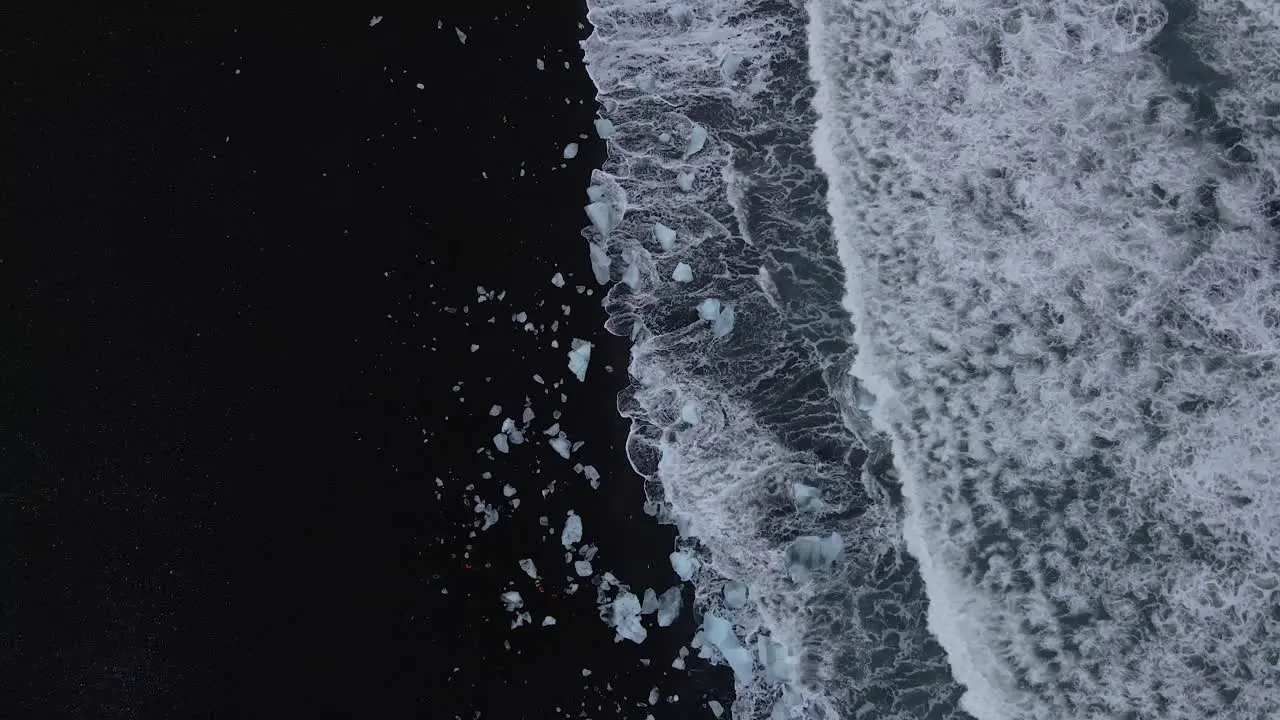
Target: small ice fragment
(650, 604)
(553, 430)
(462, 37)
(689, 413)
(579, 357)
(810, 553)
(647, 83)
(720, 633)
(678, 663)
(729, 66)
(495, 411)
(631, 276)
(626, 618)
(653, 696)
(375, 20)
(595, 193)
(604, 128)
(684, 564)
(865, 399)
(669, 606)
(515, 436)
(582, 568)
(548, 620)
(508, 491)
(681, 15)
(570, 151)
(666, 236)
(806, 497)
(683, 273)
(716, 708)
(586, 672)
(724, 323)
(685, 181)
(697, 139)
(709, 309)
(529, 568)
(512, 600)
(590, 473)
(508, 425)
(527, 417)
(735, 594)
(557, 280)
(500, 442)
(541, 65)
(561, 445)
(601, 216)
(777, 667)
(664, 138)
(600, 264)
(572, 532)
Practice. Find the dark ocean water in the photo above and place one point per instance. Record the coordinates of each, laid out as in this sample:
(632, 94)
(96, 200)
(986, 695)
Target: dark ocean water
(244, 431)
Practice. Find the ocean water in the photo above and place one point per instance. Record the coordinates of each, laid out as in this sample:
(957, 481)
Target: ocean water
(1006, 281)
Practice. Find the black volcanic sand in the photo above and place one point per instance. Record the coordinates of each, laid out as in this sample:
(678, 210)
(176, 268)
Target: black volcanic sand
(239, 263)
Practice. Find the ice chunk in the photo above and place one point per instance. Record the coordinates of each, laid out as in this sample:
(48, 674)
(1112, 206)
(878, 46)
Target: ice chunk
(806, 497)
(716, 708)
(570, 151)
(600, 264)
(579, 356)
(664, 138)
(669, 606)
(720, 633)
(541, 65)
(375, 20)
(680, 14)
(462, 37)
(572, 532)
(626, 618)
(604, 128)
(810, 553)
(685, 181)
(697, 139)
(595, 193)
(529, 568)
(601, 216)
(561, 445)
(557, 280)
(865, 399)
(653, 696)
(527, 417)
(647, 83)
(735, 594)
(548, 620)
(689, 413)
(723, 324)
(709, 309)
(666, 236)
(582, 568)
(631, 276)
(683, 273)
(590, 473)
(684, 564)
(512, 600)
(650, 605)
(508, 491)
(495, 411)
(500, 442)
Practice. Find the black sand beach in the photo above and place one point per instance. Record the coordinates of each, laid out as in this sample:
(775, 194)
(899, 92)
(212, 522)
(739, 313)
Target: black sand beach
(245, 431)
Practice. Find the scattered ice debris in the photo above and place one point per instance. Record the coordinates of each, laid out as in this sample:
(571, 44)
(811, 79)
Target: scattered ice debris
(806, 497)
(512, 600)
(495, 411)
(684, 564)
(490, 514)
(557, 280)
(650, 604)
(462, 37)
(716, 708)
(541, 65)
(375, 20)
(592, 476)
(601, 216)
(588, 552)
(810, 553)
(735, 595)
(685, 181)
(665, 236)
(626, 618)
(582, 568)
(600, 263)
(697, 139)
(529, 568)
(579, 357)
(572, 532)
(683, 273)
(720, 633)
(548, 620)
(570, 151)
(604, 128)
(669, 606)
(500, 442)
(689, 413)
(561, 445)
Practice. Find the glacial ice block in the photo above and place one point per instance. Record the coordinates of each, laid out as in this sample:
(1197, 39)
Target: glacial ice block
(709, 309)
(601, 216)
(669, 606)
(600, 263)
(626, 618)
(650, 604)
(604, 128)
(572, 531)
(579, 357)
(684, 564)
(570, 151)
(500, 442)
(720, 633)
(697, 140)
(723, 324)
(665, 236)
(683, 273)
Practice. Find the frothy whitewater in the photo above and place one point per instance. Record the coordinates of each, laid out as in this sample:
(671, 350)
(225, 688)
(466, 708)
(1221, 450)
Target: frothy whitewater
(1005, 289)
